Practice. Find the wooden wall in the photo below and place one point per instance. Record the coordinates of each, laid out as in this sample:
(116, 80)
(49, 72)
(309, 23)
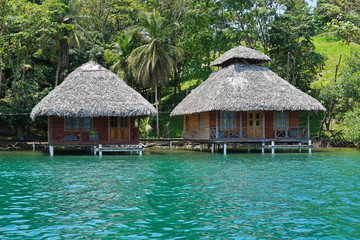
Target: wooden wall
(100, 124)
(191, 123)
(191, 126)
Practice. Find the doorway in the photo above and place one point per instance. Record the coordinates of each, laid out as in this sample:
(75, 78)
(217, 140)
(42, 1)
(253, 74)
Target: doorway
(255, 124)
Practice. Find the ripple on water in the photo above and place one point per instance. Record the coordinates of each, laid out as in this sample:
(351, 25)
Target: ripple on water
(181, 195)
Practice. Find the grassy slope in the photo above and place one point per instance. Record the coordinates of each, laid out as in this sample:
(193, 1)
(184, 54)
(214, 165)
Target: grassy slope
(331, 48)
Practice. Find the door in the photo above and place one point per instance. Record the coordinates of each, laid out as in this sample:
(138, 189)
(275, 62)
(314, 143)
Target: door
(255, 124)
(119, 128)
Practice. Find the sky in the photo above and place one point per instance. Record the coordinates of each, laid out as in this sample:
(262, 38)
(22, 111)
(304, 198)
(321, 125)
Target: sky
(312, 3)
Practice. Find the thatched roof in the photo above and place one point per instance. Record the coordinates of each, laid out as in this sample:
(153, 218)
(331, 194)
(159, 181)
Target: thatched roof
(240, 55)
(243, 87)
(92, 91)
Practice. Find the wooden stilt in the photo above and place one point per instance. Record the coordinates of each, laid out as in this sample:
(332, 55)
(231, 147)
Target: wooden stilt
(310, 145)
(248, 147)
(201, 147)
(299, 147)
(51, 150)
(224, 148)
(33, 145)
(212, 148)
(272, 149)
(100, 151)
(170, 145)
(263, 148)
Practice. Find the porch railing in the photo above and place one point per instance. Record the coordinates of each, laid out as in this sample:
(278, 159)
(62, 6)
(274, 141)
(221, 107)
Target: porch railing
(292, 132)
(231, 133)
(256, 132)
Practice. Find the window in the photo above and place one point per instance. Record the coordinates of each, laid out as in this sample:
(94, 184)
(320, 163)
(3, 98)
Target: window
(86, 124)
(227, 120)
(72, 123)
(280, 120)
(201, 121)
(76, 124)
(118, 122)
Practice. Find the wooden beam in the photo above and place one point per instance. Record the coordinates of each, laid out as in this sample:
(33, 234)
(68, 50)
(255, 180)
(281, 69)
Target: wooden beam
(308, 125)
(241, 134)
(263, 124)
(217, 125)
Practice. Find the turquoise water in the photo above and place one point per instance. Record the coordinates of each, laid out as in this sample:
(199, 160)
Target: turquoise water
(180, 195)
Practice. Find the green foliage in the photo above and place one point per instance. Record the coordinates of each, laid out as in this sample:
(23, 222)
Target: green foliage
(342, 18)
(352, 126)
(41, 41)
(145, 127)
(292, 49)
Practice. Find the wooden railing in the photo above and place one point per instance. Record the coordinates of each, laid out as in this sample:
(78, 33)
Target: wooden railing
(232, 133)
(256, 132)
(292, 132)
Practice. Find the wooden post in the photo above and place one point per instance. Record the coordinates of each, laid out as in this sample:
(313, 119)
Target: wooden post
(201, 147)
(140, 152)
(192, 145)
(212, 148)
(308, 125)
(272, 149)
(217, 125)
(263, 125)
(224, 148)
(241, 133)
(248, 147)
(33, 145)
(310, 145)
(234, 146)
(170, 145)
(109, 129)
(299, 147)
(51, 150)
(100, 151)
(263, 148)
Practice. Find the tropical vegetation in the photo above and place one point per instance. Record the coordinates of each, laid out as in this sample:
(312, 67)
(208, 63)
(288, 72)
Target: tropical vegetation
(163, 49)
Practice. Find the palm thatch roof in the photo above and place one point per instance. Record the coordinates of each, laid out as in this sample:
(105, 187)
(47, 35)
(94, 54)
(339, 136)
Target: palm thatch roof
(92, 91)
(243, 87)
(240, 55)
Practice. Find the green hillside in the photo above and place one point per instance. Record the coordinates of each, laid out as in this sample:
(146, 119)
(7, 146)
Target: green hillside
(331, 48)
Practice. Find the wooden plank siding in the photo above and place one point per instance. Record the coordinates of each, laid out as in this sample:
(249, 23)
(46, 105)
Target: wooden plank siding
(101, 125)
(293, 118)
(191, 126)
(269, 124)
(192, 129)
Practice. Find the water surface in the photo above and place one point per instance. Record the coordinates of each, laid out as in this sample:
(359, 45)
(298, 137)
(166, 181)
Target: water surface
(180, 195)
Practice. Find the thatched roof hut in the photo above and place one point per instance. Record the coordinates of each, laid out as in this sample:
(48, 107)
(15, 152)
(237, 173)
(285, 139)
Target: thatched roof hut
(93, 91)
(240, 55)
(245, 87)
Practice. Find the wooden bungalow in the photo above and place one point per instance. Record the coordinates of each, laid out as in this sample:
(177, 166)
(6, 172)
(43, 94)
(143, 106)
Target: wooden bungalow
(93, 106)
(245, 102)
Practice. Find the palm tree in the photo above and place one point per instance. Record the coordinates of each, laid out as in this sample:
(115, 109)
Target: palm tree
(123, 47)
(72, 34)
(154, 62)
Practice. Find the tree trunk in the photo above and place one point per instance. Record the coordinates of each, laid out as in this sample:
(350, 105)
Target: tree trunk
(20, 132)
(0, 83)
(58, 71)
(157, 108)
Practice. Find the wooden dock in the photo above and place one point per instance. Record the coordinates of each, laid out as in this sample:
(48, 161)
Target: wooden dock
(138, 149)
